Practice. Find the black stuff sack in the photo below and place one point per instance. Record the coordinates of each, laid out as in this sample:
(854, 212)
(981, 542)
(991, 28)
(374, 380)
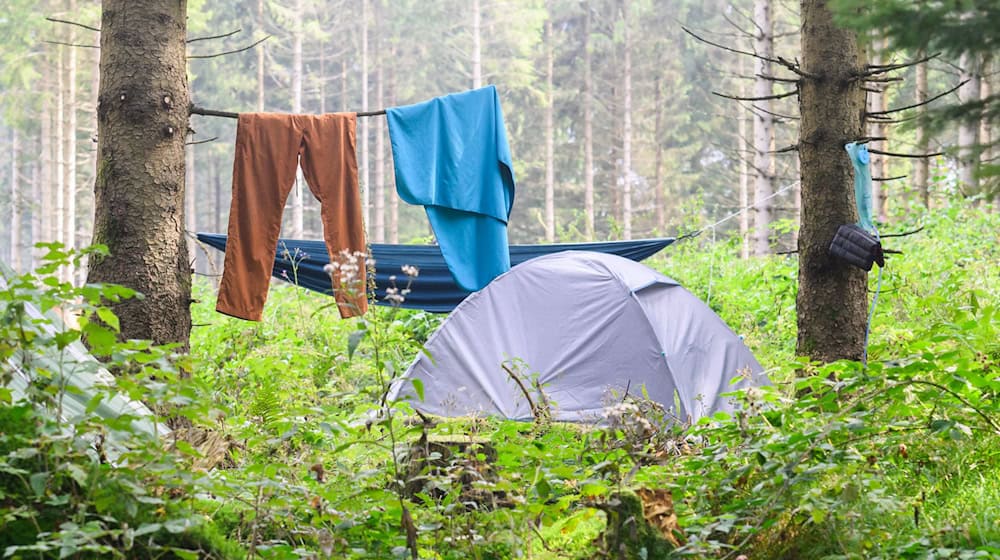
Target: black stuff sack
(857, 247)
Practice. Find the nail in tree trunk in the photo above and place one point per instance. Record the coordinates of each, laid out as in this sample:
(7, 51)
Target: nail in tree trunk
(968, 129)
(550, 172)
(297, 194)
(831, 301)
(379, 129)
(763, 128)
(627, 125)
(142, 124)
(921, 171)
(588, 127)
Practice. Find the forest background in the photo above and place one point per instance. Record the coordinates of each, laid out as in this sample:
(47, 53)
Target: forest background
(612, 110)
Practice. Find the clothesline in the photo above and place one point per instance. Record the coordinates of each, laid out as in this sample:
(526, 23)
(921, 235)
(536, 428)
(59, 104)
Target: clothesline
(196, 110)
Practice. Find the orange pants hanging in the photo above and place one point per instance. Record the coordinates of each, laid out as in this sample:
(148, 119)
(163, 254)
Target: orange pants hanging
(269, 147)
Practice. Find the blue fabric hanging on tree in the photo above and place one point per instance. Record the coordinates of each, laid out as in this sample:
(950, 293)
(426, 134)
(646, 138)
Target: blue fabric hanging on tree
(861, 160)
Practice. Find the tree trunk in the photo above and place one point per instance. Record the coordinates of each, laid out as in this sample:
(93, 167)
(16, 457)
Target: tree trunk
(968, 129)
(742, 153)
(763, 128)
(59, 124)
(627, 126)
(190, 204)
(393, 198)
(477, 52)
(985, 124)
(366, 195)
(139, 194)
(588, 128)
(15, 201)
(876, 129)
(46, 196)
(660, 199)
(379, 129)
(70, 218)
(550, 172)
(297, 193)
(921, 171)
(260, 57)
(831, 301)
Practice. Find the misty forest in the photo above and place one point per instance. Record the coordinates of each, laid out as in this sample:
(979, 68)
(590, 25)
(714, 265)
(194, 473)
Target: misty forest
(499, 279)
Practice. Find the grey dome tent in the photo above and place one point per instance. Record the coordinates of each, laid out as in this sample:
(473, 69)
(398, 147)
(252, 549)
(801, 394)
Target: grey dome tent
(585, 327)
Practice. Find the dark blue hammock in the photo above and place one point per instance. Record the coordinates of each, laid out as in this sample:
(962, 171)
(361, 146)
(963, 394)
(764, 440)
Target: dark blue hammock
(433, 289)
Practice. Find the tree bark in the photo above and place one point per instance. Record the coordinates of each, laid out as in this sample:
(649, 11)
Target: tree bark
(921, 171)
(763, 128)
(627, 126)
(588, 127)
(550, 172)
(139, 193)
(831, 301)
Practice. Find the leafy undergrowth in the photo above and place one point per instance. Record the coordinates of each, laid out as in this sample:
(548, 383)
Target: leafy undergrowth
(898, 460)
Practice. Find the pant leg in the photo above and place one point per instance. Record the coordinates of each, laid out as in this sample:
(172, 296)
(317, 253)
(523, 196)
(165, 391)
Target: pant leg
(330, 166)
(267, 149)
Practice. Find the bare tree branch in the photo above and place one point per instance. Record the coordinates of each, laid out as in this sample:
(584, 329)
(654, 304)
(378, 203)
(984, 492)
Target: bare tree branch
(874, 69)
(212, 139)
(915, 105)
(792, 148)
(778, 79)
(196, 39)
(895, 154)
(763, 98)
(904, 234)
(782, 61)
(883, 179)
(246, 48)
(66, 21)
(72, 44)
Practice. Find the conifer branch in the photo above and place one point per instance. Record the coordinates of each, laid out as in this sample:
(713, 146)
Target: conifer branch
(196, 39)
(68, 22)
(896, 154)
(762, 98)
(246, 48)
(915, 105)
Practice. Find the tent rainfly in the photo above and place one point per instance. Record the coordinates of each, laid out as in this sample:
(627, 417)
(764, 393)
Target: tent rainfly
(584, 327)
